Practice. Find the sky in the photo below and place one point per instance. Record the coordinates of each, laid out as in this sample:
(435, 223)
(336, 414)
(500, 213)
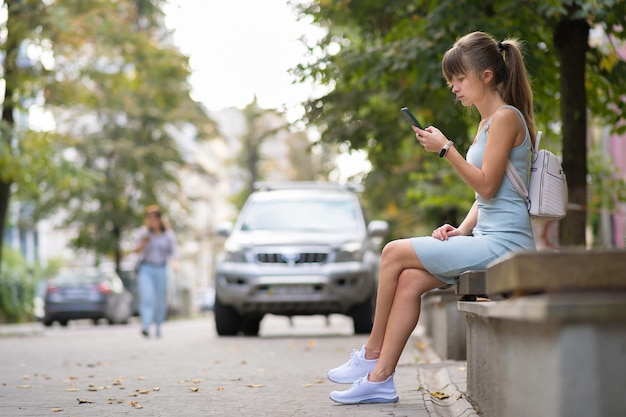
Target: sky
(242, 48)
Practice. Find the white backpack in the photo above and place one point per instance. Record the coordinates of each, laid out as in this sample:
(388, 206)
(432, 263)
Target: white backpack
(547, 194)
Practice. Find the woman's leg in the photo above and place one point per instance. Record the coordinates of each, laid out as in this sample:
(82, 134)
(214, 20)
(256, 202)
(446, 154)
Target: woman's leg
(402, 319)
(146, 296)
(160, 305)
(397, 256)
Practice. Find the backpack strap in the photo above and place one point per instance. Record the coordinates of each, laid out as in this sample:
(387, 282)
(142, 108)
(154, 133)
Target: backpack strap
(518, 183)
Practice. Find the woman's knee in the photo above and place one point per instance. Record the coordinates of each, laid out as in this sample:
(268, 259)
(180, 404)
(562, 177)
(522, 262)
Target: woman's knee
(416, 282)
(391, 251)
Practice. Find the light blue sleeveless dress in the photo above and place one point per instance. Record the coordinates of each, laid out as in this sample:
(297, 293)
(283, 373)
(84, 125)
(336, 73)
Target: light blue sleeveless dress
(503, 222)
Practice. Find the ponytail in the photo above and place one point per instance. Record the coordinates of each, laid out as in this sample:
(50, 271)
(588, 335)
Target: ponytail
(515, 87)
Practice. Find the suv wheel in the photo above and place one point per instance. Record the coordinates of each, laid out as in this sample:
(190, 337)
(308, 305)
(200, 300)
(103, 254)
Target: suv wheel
(227, 320)
(363, 316)
(251, 324)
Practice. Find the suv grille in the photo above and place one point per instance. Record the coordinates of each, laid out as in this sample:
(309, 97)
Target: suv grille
(292, 258)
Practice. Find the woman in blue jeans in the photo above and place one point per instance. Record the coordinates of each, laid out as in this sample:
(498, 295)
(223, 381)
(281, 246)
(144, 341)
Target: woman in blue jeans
(156, 244)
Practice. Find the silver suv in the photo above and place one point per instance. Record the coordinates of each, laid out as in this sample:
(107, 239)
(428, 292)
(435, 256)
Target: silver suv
(298, 249)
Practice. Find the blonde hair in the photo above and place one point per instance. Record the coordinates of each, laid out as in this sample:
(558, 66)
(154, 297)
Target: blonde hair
(154, 210)
(479, 51)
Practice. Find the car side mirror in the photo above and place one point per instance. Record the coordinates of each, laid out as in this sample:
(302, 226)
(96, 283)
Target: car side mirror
(378, 228)
(224, 229)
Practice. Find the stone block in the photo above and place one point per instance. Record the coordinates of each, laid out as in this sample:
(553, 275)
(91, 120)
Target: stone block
(548, 355)
(444, 324)
(571, 270)
(472, 283)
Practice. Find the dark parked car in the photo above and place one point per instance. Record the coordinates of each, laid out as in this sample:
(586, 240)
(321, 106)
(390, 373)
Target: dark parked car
(298, 249)
(86, 293)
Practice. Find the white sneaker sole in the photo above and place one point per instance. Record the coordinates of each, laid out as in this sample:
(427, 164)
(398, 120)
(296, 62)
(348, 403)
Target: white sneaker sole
(370, 399)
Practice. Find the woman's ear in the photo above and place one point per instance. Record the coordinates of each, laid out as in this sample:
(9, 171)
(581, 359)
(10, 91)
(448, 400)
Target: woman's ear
(487, 76)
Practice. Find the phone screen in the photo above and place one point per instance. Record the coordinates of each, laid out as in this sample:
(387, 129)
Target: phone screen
(410, 117)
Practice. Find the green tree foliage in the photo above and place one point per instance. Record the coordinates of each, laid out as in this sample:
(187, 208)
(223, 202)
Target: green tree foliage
(381, 55)
(19, 152)
(124, 98)
(119, 92)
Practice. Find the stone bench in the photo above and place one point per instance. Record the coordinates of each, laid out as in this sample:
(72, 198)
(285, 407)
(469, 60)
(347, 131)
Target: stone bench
(444, 325)
(557, 347)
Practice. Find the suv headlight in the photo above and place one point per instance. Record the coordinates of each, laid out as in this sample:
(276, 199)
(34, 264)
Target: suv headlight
(234, 253)
(350, 252)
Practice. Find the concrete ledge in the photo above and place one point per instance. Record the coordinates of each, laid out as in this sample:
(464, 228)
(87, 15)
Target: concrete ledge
(599, 306)
(550, 355)
(571, 270)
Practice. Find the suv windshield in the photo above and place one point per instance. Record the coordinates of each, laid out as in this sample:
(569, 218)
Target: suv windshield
(310, 215)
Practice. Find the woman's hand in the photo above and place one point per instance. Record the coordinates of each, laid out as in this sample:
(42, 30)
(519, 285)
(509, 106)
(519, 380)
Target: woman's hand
(430, 138)
(446, 231)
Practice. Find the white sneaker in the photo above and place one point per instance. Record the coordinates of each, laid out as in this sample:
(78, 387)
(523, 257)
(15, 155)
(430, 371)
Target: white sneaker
(364, 391)
(357, 367)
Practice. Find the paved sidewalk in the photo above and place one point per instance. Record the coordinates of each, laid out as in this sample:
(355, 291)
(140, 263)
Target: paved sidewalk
(191, 372)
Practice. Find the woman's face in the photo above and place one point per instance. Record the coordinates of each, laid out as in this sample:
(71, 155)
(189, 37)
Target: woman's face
(467, 88)
(154, 221)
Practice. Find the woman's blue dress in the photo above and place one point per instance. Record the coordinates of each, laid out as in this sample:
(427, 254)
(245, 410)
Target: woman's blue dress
(503, 223)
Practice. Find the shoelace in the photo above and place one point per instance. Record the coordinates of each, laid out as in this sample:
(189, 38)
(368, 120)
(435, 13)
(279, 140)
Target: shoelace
(354, 357)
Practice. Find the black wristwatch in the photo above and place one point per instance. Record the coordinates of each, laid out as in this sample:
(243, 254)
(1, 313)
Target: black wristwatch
(445, 148)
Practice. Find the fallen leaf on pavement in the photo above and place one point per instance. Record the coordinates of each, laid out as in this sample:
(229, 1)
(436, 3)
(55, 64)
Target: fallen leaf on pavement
(196, 381)
(141, 378)
(135, 404)
(81, 401)
(220, 388)
(56, 410)
(439, 395)
(26, 377)
(92, 389)
(319, 381)
(115, 401)
(244, 362)
(235, 379)
(144, 392)
(310, 343)
(194, 389)
(308, 385)
(72, 378)
(71, 390)
(255, 385)
(25, 386)
(421, 345)
(156, 388)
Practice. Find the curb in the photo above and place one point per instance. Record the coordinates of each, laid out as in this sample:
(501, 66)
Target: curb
(442, 394)
(443, 384)
(21, 330)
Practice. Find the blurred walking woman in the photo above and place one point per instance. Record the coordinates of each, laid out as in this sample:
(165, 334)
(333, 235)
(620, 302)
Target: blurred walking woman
(490, 76)
(155, 246)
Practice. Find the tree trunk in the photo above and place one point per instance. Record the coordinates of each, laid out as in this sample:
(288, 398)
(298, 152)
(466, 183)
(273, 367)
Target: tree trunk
(11, 47)
(571, 42)
(5, 194)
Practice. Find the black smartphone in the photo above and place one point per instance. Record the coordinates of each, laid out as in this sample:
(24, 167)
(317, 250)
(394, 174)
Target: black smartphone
(410, 117)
